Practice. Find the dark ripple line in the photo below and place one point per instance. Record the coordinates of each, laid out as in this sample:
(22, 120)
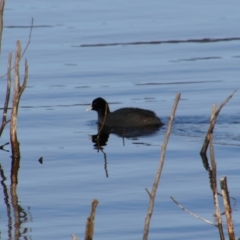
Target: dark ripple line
(203, 40)
(169, 83)
(196, 59)
(62, 105)
(55, 106)
(34, 26)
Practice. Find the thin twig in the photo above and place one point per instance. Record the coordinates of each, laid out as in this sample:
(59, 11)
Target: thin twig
(25, 49)
(29, 38)
(104, 120)
(148, 192)
(191, 213)
(212, 124)
(2, 3)
(159, 170)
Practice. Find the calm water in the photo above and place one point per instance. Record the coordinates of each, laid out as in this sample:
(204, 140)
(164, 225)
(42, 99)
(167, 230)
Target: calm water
(84, 49)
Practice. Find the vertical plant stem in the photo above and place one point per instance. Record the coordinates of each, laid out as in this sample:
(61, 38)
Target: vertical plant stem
(18, 90)
(2, 3)
(214, 189)
(228, 209)
(159, 170)
(90, 221)
(13, 127)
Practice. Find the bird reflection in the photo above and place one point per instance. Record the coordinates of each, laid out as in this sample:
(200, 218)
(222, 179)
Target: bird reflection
(99, 141)
(101, 138)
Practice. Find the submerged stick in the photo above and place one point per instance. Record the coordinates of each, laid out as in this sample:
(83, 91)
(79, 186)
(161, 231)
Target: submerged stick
(159, 170)
(228, 209)
(90, 221)
(212, 124)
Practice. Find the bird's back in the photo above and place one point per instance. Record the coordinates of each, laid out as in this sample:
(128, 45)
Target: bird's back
(132, 117)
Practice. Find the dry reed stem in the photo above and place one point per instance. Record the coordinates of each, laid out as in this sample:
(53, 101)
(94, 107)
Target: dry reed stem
(18, 90)
(193, 214)
(90, 221)
(212, 124)
(228, 209)
(2, 3)
(214, 184)
(159, 170)
(15, 103)
(4, 118)
(13, 127)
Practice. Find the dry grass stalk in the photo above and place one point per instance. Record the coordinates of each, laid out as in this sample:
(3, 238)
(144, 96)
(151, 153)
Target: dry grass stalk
(90, 221)
(212, 124)
(2, 3)
(4, 118)
(228, 209)
(159, 171)
(214, 185)
(18, 90)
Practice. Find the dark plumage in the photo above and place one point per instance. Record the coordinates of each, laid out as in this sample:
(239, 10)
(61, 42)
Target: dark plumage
(124, 117)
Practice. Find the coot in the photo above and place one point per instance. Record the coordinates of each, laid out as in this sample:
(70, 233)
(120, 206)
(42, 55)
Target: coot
(124, 117)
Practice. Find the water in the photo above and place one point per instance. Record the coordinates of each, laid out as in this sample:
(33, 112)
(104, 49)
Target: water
(65, 75)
